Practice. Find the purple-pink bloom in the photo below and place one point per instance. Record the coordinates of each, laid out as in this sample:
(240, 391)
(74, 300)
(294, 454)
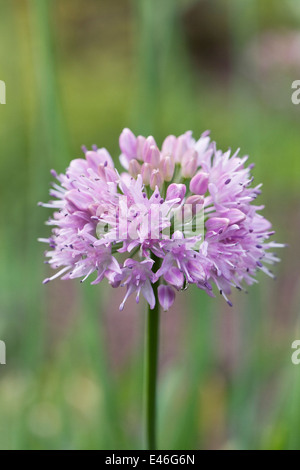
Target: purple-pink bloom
(113, 226)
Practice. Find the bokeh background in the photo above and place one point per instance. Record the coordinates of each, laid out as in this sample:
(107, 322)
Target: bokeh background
(76, 73)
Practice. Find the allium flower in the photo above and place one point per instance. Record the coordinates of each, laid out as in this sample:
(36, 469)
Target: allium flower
(150, 214)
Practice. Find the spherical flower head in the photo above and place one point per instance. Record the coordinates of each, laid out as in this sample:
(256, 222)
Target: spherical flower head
(181, 214)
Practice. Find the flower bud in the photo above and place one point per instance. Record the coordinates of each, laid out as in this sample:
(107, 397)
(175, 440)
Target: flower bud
(176, 191)
(166, 297)
(167, 168)
(140, 142)
(146, 172)
(134, 168)
(128, 143)
(152, 156)
(168, 145)
(182, 144)
(175, 277)
(189, 163)
(199, 183)
(156, 180)
(180, 148)
(149, 142)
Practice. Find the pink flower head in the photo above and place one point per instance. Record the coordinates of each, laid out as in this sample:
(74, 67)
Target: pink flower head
(151, 213)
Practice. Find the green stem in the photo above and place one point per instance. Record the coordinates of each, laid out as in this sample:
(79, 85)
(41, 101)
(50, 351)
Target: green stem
(151, 366)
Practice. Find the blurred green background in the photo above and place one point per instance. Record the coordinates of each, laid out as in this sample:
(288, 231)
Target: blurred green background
(76, 73)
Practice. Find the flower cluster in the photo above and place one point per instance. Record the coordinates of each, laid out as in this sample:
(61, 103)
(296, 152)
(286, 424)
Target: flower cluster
(123, 226)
